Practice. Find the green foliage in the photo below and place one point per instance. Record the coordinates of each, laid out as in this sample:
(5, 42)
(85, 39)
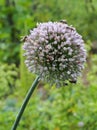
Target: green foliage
(8, 79)
(7, 113)
(26, 77)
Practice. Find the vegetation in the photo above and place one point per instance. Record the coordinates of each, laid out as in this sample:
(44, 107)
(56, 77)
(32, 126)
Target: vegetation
(72, 107)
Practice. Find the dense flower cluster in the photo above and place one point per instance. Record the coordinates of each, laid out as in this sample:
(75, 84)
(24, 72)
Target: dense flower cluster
(56, 51)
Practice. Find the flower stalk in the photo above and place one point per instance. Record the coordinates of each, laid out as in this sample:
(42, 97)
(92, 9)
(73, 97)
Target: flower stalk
(30, 92)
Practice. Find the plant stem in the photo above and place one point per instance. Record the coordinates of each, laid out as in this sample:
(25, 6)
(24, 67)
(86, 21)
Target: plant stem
(31, 90)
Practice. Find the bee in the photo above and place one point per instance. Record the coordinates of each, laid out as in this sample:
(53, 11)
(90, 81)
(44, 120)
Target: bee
(73, 81)
(24, 38)
(63, 21)
(65, 84)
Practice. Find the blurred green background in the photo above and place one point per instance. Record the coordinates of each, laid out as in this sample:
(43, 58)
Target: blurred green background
(73, 107)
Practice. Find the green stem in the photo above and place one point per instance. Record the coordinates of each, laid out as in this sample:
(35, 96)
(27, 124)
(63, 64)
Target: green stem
(31, 90)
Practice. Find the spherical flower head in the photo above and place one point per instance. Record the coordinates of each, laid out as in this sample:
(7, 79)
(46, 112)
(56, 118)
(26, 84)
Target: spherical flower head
(56, 51)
